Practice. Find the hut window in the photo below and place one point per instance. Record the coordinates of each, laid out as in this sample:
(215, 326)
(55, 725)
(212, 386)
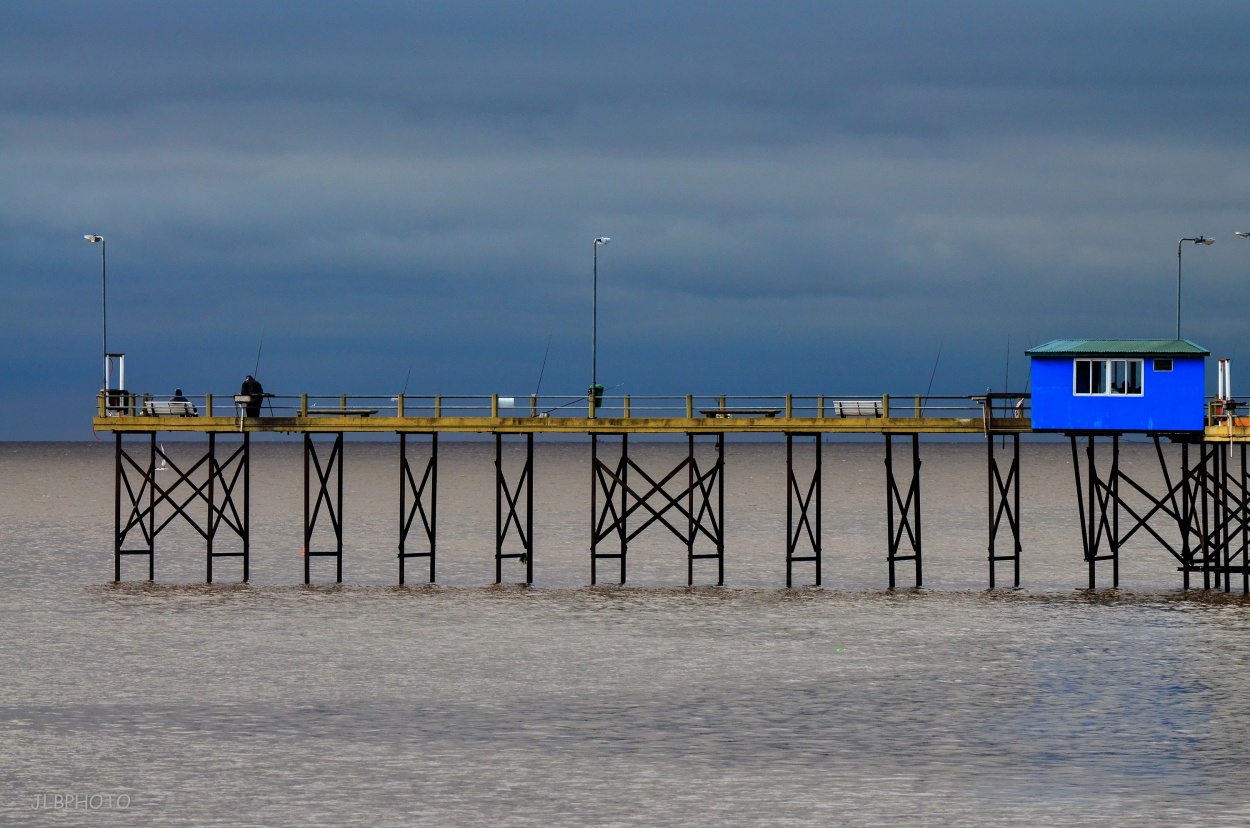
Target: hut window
(1163, 365)
(1108, 377)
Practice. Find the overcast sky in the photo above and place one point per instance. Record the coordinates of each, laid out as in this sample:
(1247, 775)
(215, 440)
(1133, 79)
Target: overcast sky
(802, 197)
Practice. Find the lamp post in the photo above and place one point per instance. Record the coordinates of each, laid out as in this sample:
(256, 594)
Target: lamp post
(594, 328)
(1198, 240)
(104, 308)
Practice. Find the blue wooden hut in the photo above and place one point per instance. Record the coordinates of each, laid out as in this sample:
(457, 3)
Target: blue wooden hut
(1118, 385)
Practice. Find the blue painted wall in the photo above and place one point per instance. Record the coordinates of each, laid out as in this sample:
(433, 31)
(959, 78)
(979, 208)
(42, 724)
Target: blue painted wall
(1170, 401)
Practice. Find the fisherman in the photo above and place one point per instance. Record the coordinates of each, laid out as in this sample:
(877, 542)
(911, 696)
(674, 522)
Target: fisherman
(255, 394)
(177, 397)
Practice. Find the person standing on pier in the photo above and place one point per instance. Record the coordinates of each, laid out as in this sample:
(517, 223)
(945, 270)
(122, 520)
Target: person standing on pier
(255, 393)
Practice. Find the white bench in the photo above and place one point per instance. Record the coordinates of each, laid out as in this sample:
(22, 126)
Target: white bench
(857, 408)
(170, 408)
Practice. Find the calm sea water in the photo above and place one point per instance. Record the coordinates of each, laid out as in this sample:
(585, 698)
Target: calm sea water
(279, 705)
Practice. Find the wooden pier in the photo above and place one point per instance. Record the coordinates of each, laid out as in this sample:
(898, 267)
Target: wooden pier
(657, 415)
(1206, 503)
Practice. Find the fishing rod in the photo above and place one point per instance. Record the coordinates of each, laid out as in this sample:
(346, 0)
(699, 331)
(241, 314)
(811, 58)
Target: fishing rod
(407, 377)
(1006, 385)
(1028, 375)
(259, 348)
(1007, 373)
(543, 370)
(933, 373)
(256, 369)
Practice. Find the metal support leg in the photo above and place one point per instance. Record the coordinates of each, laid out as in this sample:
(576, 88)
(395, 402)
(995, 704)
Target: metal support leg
(1204, 494)
(1243, 518)
(507, 519)
(701, 502)
(1197, 543)
(1201, 495)
(224, 481)
(424, 503)
(1115, 512)
(1187, 515)
(212, 493)
(690, 467)
(707, 518)
(610, 481)
(1004, 502)
(133, 484)
(1222, 578)
(594, 507)
(807, 497)
(908, 510)
(117, 507)
(1099, 504)
(330, 495)
(208, 480)
(1205, 504)
(151, 485)
(247, 507)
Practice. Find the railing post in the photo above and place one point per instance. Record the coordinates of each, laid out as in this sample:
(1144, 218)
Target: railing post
(101, 401)
(789, 406)
(625, 407)
(533, 405)
(689, 406)
(885, 405)
(303, 405)
(208, 405)
(342, 402)
(820, 406)
(399, 407)
(494, 406)
(438, 405)
(919, 410)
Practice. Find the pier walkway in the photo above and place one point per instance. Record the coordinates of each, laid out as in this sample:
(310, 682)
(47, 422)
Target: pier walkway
(495, 414)
(1202, 516)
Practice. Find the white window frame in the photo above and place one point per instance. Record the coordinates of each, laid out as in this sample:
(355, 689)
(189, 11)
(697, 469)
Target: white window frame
(1107, 373)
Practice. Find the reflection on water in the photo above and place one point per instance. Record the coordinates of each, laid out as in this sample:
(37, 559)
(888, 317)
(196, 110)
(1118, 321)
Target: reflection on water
(370, 704)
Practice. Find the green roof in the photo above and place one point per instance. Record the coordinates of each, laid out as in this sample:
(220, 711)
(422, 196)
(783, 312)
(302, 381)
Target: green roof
(1118, 347)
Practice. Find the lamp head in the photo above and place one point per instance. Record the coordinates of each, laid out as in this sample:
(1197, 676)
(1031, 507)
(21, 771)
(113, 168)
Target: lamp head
(93, 238)
(1204, 240)
(1243, 235)
(602, 240)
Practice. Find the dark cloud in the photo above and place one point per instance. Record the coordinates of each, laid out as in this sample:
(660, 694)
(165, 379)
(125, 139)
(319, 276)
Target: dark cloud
(382, 185)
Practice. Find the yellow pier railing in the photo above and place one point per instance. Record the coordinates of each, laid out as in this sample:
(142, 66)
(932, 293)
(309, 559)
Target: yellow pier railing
(997, 413)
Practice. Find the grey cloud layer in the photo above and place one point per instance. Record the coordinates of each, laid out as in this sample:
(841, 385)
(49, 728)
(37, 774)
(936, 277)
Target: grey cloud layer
(791, 178)
(733, 73)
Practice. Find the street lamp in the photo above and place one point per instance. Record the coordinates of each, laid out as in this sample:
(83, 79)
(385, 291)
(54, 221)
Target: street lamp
(94, 238)
(596, 392)
(1198, 240)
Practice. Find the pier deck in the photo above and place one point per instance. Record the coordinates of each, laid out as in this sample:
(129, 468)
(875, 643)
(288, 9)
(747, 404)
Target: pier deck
(328, 424)
(1201, 516)
(1000, 414)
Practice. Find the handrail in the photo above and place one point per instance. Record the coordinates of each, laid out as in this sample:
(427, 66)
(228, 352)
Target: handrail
(992, 405)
